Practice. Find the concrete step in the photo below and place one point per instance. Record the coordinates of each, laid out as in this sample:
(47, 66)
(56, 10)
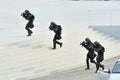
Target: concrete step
(28, 58)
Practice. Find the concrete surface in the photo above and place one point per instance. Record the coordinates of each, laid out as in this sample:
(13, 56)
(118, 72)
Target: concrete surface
(79, 73)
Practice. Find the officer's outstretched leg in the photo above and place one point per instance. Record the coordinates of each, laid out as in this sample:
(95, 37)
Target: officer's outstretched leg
(97, 67)
(101, 58)
(87, 62)
(54, 43)
(98, 64)
(59, 43)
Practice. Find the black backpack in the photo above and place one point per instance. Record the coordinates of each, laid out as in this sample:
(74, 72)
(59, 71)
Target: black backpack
(60, 27)
(103, 49)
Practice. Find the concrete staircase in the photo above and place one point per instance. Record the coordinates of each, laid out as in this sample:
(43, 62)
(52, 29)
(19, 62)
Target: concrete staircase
(34, 58)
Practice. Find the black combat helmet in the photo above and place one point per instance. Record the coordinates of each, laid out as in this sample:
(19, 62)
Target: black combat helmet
(96, 43)
(87, 39)
(26, 11)
(53, 23)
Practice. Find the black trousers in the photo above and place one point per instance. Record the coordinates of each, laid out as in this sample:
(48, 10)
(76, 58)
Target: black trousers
(56, 37)
(30, 25)
(90, 56)
(99, 59)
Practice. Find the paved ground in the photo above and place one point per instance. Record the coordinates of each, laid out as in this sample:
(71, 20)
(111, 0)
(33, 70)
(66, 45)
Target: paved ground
(78, 73)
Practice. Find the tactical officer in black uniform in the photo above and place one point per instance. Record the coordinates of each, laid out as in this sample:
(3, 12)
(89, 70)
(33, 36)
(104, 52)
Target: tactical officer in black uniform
(30, 17)
(90, 55)
(57, 29)
(100, 57)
